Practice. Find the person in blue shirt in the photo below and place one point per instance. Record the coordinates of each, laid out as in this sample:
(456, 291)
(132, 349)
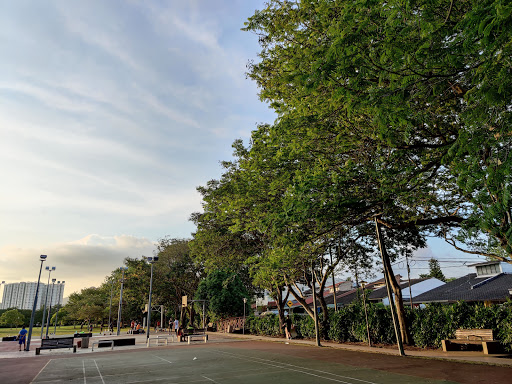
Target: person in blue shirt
(22, 336)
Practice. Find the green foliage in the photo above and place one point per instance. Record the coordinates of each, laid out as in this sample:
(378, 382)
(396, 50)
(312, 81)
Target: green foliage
(12, 317)
(434, 270)
(429, 325)
(267, 325)
(224, 292)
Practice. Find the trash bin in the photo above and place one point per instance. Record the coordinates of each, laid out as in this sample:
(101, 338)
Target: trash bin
(85, 342)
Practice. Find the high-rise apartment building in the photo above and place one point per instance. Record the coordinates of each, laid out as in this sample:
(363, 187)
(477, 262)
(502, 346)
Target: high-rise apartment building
(22, 295)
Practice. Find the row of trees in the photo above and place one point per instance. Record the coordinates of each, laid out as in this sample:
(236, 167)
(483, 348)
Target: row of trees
(394, 124)
(175, 275)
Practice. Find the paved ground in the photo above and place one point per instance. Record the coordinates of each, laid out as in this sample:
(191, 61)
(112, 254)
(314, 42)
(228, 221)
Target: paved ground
(247, 359)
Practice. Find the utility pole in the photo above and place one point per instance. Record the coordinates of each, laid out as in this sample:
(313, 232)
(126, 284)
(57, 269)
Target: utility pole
(317, 331)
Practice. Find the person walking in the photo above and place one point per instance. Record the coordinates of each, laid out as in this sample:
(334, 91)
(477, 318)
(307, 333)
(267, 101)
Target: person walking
(287, 327)
(22, 336)
(176, 326)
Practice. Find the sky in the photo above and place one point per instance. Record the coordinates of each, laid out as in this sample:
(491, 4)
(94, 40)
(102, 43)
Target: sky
(111, 114)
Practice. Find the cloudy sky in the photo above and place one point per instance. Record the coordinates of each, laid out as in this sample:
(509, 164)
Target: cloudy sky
(111, 114)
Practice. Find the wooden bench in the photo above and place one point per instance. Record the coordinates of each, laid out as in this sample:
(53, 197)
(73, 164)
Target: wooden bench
(61, 342)
(473, 337)
(190, 334)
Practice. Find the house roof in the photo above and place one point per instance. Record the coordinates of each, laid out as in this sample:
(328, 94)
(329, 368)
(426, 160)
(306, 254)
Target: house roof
(382, 293)
(470, 288)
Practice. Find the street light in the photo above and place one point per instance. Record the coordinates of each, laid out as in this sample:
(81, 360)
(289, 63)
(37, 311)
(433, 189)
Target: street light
(29, 336)
(245, 301)
(57, 313)
(50, 308)
(110, 307)
(151, 260)
(2, 307)
(120, 302)
(46, 297)
(363, 283)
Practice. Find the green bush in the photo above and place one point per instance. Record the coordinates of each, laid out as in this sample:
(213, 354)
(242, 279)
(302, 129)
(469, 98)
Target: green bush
(428, 326)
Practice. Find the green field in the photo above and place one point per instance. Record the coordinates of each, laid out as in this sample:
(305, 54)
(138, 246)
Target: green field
(63, 330)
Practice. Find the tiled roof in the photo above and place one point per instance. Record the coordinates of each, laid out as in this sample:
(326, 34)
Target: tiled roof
(470, 288)
(381, 293)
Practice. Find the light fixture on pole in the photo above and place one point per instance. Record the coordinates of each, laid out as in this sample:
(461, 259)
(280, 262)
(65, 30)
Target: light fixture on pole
(123, 269)
(2, 307)
(50, 308)
(245, 301)
(151, 260)
(363, 283)
(50, 270)
(110, 306)
(29, 336)
(57, 313)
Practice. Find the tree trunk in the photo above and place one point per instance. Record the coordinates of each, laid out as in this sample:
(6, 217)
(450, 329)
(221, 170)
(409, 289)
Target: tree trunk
(395, 286)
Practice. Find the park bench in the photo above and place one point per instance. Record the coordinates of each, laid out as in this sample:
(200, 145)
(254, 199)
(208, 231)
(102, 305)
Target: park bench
(467, 338)
(161, 339)
(56, 343)
(113, 343)
(191, 334)
(9, 338)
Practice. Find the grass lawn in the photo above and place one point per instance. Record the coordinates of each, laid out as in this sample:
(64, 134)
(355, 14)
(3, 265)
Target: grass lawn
(62, 330)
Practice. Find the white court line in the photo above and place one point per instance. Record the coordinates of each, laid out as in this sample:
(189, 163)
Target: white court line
(295, 368)
(161, 358)
(101, 377)
(83, 367)
(41, 370)
(208, 379)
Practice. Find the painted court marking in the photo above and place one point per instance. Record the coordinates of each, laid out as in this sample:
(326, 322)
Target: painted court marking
(41, 370)
(296, 368)
(101, 377)
(161, 358)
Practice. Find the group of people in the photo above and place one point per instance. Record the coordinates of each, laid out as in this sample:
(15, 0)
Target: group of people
(136, 326)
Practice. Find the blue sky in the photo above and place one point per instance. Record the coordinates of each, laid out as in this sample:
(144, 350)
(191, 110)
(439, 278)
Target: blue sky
(111, 114)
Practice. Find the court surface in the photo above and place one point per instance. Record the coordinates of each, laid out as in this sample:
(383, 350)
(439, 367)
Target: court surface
(215, 363)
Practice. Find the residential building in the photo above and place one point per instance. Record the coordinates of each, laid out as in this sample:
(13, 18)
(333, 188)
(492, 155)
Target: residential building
(22, 295)
(491, 284)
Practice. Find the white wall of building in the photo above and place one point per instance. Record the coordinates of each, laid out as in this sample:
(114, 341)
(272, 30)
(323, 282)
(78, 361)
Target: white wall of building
(22, 295)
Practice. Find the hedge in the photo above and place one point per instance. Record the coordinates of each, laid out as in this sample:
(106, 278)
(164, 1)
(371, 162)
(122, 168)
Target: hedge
(428, 325)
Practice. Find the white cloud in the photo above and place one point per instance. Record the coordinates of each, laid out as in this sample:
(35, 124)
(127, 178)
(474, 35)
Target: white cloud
(81, 263)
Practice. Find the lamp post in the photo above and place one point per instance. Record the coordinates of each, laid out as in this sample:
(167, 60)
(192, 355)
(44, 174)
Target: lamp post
(120, 302)
(363, 283)
(2, 307)
(245, 301)
(57, 313)
(49, 269)
(110, 307)
(50, 308)
(151, 260)
(29, 336)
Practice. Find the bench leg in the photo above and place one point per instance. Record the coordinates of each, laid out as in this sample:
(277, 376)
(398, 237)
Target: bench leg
(74, 348)
(38, 351)
(445, 344)
(491, 347)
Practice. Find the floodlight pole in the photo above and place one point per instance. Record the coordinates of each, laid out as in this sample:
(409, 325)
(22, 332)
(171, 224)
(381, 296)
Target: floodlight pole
(151, 260)
(110, 307)
(245, 301)
(29, 336)
(50, 308)
(120, 303)
(46, 298)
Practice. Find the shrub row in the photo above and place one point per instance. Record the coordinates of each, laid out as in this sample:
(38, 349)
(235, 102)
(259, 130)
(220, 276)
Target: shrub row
(428, 326)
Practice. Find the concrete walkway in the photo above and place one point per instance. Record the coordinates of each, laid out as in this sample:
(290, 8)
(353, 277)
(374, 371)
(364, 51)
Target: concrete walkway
(9, 349)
